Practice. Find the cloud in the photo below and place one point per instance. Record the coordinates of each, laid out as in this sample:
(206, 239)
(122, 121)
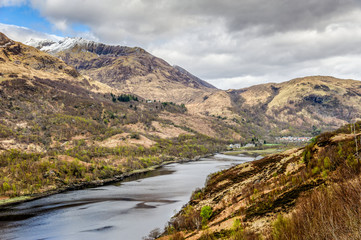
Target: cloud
(23, 34)
(231, 43)
(7, 3)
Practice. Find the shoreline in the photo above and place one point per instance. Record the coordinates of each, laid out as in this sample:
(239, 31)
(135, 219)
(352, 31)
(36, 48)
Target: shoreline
(96, 183)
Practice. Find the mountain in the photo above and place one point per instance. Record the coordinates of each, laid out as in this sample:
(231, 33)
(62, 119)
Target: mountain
(32, 79)
(130, 70)
(288, 107)
(17, 58)
(297, 107)
(60, 129)
(305, 193)
(202, 82)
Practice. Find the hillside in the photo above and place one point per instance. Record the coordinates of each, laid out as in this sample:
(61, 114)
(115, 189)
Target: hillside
(306, 193)
(130, 70)
(324, 102)
(27, 74)
(59, 127)
(297, 107)
(133, 70)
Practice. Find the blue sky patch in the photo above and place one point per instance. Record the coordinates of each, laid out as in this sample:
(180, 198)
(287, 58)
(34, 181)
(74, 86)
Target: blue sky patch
(25, 16)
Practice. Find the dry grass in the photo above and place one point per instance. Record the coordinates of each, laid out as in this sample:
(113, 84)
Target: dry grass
(330, 213)
(314, 190)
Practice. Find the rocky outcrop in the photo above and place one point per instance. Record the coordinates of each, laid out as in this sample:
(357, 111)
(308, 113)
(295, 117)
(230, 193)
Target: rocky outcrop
(5, 41)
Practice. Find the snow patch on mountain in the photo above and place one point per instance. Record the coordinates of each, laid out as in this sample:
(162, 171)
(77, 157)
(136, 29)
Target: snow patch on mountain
(51, 46)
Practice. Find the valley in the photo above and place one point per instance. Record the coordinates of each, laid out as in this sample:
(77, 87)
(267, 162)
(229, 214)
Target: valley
(77, 114)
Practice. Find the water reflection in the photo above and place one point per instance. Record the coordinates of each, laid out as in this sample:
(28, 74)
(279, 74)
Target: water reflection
(126, 210)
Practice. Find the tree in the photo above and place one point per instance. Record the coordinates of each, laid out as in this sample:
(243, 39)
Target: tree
(206, 213)
(315, 131)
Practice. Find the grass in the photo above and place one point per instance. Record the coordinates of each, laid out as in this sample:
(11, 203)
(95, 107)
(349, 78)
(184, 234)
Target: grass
(15, 199)
(262, 152)
(309, 193)
(329, 213)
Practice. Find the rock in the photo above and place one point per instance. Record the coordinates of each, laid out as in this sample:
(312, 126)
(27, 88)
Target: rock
(5, 41)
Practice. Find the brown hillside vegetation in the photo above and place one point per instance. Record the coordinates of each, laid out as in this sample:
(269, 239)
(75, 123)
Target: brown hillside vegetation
(295, 107)
(289, 107)
(133, 70)
(306, 193)
(48, 110)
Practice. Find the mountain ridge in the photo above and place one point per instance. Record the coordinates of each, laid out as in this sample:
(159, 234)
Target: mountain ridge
(293, 107)
(120, 64)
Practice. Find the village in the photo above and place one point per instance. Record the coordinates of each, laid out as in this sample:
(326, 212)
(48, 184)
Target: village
(258, 143)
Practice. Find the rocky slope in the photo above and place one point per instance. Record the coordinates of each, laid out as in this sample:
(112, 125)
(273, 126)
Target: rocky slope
(306, 193)
(130, 70)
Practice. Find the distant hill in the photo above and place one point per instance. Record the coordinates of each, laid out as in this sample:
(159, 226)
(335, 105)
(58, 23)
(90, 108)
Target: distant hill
(320, 101)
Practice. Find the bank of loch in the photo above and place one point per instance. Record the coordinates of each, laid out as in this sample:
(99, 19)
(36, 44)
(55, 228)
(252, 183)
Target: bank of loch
(282, 196)
(32, 175)
(127, 210)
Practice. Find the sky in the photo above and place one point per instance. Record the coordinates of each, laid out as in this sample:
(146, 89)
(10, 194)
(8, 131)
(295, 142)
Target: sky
(229, 43)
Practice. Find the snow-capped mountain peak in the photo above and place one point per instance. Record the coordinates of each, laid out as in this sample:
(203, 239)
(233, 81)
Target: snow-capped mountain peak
(81, 44)
(51, 46)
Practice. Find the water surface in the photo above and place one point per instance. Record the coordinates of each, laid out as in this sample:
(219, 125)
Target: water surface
(126, 210)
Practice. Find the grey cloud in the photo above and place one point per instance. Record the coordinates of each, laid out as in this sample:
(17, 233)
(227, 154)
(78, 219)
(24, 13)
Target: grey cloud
(139, 21)
(23, 34)
(269, 16)
(234, 42)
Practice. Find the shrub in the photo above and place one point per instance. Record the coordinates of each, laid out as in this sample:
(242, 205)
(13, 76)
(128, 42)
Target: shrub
(135, 135)
(176, 236)
(328, 213)
(280, 227)
(206, 213)
(326, 163)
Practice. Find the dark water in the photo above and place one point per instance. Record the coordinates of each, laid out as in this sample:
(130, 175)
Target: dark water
(127, 210)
